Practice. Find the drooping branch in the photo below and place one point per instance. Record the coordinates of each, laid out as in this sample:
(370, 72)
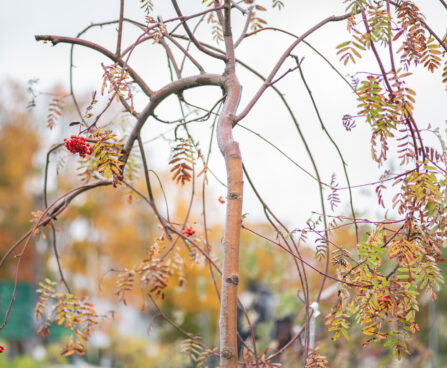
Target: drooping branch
(344, 164)
(120, 29)
(281, 60)
(186, 53)
(281, 152)
(204, 216)
(192, 37)
(323, 273)
(230, 150)
(307, 44)
(45, 218)
(160, 219)
(159, 96)
(175, 325)
(91, 45)
(171, 58)
(56, 255)
(211, 262)
(71, 66)
(285, 237)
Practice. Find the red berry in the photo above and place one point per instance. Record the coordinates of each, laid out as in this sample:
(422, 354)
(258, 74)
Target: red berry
(188, 231)
(77, 144)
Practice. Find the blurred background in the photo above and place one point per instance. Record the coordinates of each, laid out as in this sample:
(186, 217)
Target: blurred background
(108, 230)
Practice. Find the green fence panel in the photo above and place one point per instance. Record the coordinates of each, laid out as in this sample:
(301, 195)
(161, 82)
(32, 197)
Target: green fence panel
(20, 325)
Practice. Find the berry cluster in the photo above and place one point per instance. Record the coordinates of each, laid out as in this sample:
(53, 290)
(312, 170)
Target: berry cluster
(188, 231)
(77, 144)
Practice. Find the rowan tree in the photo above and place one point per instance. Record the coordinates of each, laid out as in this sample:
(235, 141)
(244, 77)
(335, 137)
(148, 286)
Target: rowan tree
(395, 259)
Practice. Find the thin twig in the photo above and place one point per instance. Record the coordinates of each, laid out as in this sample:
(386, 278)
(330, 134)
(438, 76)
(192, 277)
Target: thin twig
(366, 286)
(323, 127)
(244, 31)
(282, 153)
(191, 35)
(281, 60)
(186, 54)
(443, 3)
(196, 27)
(204, 182)
(120, 29)
(164, 193)
(170, 56)
(302, 275)
(56, 254)
(45, 177)
(77, 41)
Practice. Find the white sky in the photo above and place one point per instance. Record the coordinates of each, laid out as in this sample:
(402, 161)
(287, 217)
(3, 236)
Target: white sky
(289, 192)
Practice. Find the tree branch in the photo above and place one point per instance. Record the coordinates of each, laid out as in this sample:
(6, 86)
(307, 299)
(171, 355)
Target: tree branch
(191, 35)
(284, 56)
(177, 86)
(120, 29)
(91, 45)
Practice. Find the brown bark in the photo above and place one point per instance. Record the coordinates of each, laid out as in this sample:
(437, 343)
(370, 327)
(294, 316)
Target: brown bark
(233, 162)
(230, 274)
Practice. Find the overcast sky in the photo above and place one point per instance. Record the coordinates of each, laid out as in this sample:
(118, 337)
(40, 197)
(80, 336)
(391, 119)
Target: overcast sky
(289, 192)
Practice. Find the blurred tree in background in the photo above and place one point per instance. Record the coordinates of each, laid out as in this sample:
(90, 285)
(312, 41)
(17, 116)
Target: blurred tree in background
(18, 140)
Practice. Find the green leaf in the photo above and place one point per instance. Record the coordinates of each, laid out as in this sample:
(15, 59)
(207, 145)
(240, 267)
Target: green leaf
(345, 334)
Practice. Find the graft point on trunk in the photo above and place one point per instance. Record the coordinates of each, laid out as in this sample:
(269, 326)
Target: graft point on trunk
(234, 196)
(233, 280)
(227, 354)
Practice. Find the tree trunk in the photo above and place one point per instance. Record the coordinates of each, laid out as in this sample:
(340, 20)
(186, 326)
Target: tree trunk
(230, 273)
(233, 163)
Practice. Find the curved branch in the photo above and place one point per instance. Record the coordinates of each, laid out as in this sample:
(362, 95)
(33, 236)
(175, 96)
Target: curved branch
(301, 272)
(307, 44)
(149, 187)
(50, 213)
(308, 264)
(284, 56)
(192, 37)
(91, 45)
(281, 152)
(45, 178)
(185, 52)
(177, 86)
(58, 261)
(344, 164)
(171, 58)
